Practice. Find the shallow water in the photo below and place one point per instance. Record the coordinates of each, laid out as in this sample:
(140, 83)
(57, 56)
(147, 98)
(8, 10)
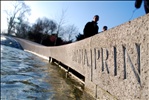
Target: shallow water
(25, 76)
(22, 76)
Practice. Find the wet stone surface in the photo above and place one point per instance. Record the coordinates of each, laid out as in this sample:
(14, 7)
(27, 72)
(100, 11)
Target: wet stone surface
(66, 88)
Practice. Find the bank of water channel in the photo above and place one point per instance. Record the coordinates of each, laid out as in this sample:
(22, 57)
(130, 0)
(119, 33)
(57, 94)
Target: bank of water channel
(25, 76)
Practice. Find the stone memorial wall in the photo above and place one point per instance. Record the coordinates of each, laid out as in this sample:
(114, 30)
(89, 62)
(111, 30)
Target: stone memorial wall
(115, 63)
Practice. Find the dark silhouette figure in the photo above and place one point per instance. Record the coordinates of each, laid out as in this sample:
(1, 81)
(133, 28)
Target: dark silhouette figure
(146, 5)
(91, 28)
(104, 28)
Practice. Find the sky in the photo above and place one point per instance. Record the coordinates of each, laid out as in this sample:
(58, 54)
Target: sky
(78, 13)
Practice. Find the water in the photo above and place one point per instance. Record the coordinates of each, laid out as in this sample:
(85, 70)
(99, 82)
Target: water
(22, 76)
(25, 76)
(8, 41)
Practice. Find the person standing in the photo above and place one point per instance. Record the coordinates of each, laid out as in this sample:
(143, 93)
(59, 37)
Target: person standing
(146, 5)
(91, 28)
(104, 28)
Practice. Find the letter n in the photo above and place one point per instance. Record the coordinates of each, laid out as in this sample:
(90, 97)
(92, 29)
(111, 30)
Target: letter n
(126, 56)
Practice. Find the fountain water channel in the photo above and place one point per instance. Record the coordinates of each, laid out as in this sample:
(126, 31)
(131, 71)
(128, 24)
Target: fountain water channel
(25, 76)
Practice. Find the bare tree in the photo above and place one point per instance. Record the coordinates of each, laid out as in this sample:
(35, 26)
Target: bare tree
(60, 24)
(20, 10)
(71, 31)
(68, 32)
(44, 26)
(23, 29)
(61, 21)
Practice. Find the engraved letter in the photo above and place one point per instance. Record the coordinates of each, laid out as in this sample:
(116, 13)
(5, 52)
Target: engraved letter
(104, 62)
(137, 73)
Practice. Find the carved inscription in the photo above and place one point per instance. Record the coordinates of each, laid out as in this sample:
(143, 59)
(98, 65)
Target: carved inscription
(115, 61)
(105, 55)
(136, 71)
(90, 58)
(148, 54)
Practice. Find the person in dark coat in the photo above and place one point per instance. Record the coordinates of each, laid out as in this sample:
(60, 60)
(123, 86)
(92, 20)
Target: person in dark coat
(91, 28)
(146, 5)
